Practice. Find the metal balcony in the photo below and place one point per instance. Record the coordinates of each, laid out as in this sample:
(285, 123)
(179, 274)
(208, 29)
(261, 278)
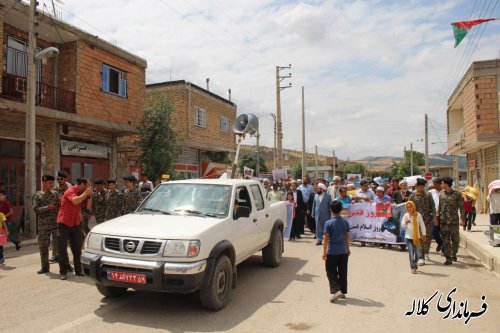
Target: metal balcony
(15, 87)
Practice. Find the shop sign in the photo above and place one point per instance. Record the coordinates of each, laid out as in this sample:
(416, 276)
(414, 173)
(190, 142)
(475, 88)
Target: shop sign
(83, 149)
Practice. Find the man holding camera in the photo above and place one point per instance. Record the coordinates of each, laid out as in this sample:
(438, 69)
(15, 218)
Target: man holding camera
(68, 226)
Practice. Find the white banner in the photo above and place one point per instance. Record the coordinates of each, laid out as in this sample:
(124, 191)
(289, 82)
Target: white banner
(376, 223)
(83, 149)
(280, 174)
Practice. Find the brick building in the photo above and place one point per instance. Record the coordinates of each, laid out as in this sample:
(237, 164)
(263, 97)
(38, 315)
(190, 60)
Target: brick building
(203, 121)
(474, 122)
(88, 98)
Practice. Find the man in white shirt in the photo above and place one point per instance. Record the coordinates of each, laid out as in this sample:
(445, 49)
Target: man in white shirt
(438, 188)
(364, 194)
(333, 189)
(494, 200)
(145, 185)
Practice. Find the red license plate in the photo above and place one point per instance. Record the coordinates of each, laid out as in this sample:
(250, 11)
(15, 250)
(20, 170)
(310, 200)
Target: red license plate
(127, 277)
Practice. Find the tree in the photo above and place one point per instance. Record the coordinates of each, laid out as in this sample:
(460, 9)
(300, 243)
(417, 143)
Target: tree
(297, 170)
(159, 143)
(354, 168)
(403, 168)
(248, 160)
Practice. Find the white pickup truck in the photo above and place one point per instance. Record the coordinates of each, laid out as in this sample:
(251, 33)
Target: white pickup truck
(186, 236)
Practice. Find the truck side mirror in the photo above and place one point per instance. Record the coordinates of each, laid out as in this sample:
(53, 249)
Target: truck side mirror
(241, 211)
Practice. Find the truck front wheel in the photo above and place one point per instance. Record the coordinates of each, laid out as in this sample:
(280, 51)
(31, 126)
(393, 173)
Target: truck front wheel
(216, 294)
(110, 291)
(271, 254)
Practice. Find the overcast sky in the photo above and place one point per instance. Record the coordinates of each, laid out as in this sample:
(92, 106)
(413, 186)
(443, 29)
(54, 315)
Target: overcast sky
(371, 69)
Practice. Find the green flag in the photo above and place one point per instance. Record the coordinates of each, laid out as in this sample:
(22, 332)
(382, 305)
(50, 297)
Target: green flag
(460, 29)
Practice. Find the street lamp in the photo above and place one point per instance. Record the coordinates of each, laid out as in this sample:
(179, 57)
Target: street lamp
(30, 166)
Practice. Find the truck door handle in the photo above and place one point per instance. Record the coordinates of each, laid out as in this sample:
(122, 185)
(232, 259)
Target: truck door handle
(254, 220)
(267, 215)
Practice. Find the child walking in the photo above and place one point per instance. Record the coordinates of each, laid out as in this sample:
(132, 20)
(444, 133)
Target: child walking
(336, 251)
(415, 232)
(4, 234)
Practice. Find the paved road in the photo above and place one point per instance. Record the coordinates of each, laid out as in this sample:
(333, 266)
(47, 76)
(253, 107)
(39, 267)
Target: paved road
(293, 297)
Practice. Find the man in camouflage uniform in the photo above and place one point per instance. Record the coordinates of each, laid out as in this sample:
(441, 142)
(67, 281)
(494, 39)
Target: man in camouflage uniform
(114, 201)
(132, 198)
(99, 201)
(450, 202)
(46, 204)
(62, 184)
(425, 206)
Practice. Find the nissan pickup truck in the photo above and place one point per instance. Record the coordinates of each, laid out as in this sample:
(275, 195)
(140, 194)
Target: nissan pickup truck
(187, 236)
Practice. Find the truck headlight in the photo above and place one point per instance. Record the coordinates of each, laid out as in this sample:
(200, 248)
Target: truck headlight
(93, 241)
(181, 248)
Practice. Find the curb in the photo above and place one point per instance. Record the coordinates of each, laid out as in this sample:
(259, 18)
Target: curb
(489, 257)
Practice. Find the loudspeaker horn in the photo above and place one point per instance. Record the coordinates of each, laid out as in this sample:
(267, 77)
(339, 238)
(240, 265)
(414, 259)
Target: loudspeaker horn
(246, 123)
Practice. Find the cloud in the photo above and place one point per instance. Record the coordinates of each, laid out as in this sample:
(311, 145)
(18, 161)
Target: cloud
(371, 69)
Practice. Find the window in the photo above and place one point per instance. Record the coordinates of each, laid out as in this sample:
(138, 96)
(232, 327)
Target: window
(17, 58)
(257, 196)
(224, 124)
(114, 81)
(200, 117)
(242, 198)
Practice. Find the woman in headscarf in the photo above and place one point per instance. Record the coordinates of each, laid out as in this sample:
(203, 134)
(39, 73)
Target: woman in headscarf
(415, 232)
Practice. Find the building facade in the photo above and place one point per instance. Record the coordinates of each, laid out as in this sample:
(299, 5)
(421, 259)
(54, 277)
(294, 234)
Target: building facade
(474, 123)
(88, 98)
(204, 122)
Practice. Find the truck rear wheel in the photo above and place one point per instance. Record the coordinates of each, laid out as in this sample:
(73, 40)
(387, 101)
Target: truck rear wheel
(110, 291)
(215, 296)
(271, 254)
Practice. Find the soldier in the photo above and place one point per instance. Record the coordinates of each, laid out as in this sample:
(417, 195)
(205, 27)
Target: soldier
(46, 204)
(132, 197)
(425, 206)
(99, 201)
(62, 184)
(114, 201)
(450, 201)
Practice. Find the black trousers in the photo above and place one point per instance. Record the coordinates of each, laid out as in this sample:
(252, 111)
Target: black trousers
(336, 271)
(75, 237)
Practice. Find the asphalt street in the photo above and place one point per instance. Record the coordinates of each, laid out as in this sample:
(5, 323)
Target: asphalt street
(293, 297)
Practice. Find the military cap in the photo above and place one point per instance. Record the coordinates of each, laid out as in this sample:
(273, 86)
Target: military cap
(98, 181)
(111, 181)
(46, 178)
(62, 174)
(130, 178)
(421, 182)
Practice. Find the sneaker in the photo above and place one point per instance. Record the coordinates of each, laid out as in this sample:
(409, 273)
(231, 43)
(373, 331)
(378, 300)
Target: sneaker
(448, 262)
(421, 262)
(63, 277)
(427, 257)
(454, 259)
(335, 297)
(438, 248)
(18, 246)
(42, 271)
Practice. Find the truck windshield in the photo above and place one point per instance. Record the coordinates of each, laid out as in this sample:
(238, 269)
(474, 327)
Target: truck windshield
(193, 199)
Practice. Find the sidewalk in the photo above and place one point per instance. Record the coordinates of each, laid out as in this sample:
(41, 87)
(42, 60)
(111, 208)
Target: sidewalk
(478, 244)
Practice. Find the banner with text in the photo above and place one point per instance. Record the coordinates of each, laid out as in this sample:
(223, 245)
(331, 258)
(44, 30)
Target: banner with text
(376, 223)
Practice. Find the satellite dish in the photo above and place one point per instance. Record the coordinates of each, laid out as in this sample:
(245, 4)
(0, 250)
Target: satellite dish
(246, 123)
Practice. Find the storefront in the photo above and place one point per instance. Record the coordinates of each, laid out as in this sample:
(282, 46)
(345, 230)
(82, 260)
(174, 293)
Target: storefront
(84, 160)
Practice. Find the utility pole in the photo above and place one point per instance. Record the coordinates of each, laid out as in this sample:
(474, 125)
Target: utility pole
(257, 165)
(303, 137)
(30, 166)
(426, 145)
(316, 163)
(455, 172)
(279, 131)
(274, 151)
(334, 162)
(411, 158)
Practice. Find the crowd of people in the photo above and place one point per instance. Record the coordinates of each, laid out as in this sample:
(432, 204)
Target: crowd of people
(434, 211)
(63, 212)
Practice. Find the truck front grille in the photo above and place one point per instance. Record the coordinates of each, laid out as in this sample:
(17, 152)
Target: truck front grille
(112, 243)
(150, 247)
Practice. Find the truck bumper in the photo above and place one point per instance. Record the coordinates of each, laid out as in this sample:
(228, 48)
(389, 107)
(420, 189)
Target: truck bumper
(160, 276)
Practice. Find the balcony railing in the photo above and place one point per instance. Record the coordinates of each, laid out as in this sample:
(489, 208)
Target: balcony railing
(15, 88)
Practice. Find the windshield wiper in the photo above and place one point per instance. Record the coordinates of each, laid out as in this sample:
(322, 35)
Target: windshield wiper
(156, 211)
(195, 212)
